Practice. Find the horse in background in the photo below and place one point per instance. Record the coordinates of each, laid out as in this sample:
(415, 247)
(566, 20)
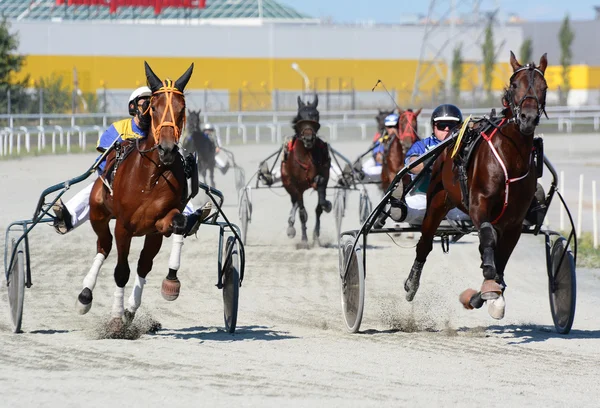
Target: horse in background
(380, 119)
(306, 165)
(146, 198)
(204, 147)
(501, 183)
(397, 146)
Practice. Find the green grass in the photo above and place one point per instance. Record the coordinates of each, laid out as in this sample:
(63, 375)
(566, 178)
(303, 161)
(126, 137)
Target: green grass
(587, 256)
(75, 149)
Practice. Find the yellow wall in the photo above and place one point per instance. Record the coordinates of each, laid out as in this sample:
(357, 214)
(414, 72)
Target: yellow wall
(266, 74)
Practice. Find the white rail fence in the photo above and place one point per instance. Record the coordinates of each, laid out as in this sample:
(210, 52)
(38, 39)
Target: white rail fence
(17, 131)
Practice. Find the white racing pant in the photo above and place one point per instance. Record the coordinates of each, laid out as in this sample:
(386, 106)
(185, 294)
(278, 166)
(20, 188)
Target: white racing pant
(79, 206)
(417, 204)
(220, 162)
(372, 170)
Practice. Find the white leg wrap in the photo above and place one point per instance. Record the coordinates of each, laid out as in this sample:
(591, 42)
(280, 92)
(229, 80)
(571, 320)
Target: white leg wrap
(135, 300)
(497, 307)
(118, 310)
(90, 279)
(175, 257)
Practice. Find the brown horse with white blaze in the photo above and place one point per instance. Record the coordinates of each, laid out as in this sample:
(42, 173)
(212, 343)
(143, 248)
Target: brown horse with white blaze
(147, 196)
(501, 183)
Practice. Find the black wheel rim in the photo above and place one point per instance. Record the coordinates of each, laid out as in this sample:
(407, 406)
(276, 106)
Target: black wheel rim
(562, 287)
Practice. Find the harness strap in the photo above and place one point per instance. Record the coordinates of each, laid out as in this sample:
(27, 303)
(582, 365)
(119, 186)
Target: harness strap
(508, 180)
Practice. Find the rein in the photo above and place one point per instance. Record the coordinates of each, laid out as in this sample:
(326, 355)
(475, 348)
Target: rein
(408, 130)
(169, 91)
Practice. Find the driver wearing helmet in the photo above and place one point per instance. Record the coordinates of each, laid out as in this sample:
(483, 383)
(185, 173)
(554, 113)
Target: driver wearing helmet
(444, 119)
(209, 132)
(77, 210)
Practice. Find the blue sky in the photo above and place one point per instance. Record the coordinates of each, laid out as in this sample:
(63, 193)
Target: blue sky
(391, 11)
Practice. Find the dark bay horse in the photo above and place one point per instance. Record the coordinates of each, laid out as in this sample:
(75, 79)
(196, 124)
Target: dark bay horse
(146, 199)
(306, 165)
(202, 145)
(397, 146)
(501, 183)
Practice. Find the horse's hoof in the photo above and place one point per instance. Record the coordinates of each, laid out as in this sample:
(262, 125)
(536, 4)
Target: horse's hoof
(466, 296)
(490, 290)
(303, 244)
(128, 316)
(326, 206)
(291, 232)
(170, 289)
(84, 301)
(497, 307)
(116, 327)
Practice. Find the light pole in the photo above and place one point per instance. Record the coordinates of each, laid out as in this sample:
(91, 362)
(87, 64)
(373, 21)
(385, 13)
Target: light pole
(296, 68)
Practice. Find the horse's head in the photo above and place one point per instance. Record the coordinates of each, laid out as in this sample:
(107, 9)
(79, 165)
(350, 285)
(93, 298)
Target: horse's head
(306, 123)
(525, 95)
(193, 120)
(407, 124)
(380, 119)
(168, 112)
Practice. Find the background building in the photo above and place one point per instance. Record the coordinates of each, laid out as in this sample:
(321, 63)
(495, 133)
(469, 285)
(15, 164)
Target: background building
(259, 55)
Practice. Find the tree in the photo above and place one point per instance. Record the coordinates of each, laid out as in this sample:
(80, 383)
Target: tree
(526, 51)
(457, 72)
(55, 95)
(489, 58)
(11, 63)
(565, 38)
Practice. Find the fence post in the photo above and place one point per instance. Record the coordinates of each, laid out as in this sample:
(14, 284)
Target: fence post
(580, 205)
(595, 214)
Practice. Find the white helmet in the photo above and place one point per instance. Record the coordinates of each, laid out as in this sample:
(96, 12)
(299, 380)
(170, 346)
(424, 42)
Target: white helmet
(208, 126)
(142, 91)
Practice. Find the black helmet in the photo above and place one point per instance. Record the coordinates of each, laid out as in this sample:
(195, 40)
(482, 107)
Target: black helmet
(446, 112)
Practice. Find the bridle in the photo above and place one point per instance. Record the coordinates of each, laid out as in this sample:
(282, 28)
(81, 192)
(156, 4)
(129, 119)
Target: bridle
(408, 130)
(169, 91)
(510, 100)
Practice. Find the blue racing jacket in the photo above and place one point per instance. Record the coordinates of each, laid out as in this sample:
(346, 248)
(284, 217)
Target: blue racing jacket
(121, 130)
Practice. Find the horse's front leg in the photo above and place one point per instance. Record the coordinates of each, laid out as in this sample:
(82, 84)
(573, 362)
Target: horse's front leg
(488, 238)
(435, 213)
(317, 233)
(173, 222)
(123, 239)
(99, 218)
(303, 220)
(152, 244)
(321, 183)
(291, 231)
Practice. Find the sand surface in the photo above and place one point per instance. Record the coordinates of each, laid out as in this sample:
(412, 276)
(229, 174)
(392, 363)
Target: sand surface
(291, 347)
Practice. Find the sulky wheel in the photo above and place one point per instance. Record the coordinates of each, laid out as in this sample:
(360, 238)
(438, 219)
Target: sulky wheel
(562, 286)
(339, 207)
(353, 284)
(244, 213)
(365, 207)
(16, 286)
(231, 283)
